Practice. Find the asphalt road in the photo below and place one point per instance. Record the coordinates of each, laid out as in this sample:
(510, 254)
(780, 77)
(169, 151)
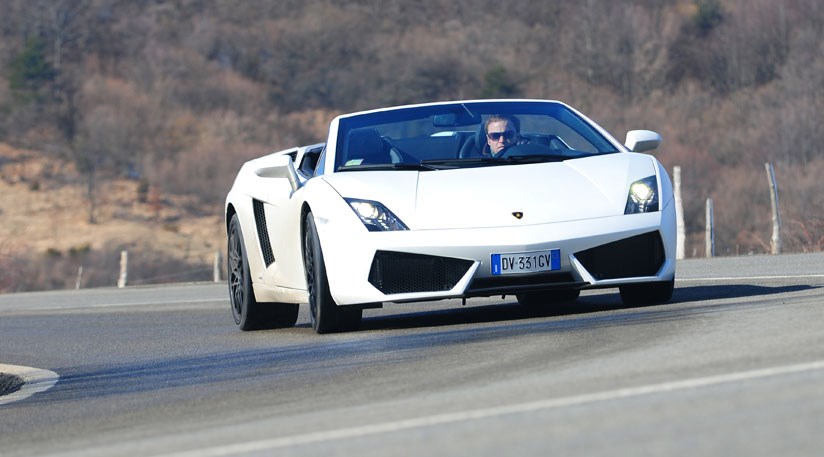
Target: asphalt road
(733, 366)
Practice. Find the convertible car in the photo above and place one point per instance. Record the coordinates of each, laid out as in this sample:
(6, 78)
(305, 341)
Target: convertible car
(448, 200)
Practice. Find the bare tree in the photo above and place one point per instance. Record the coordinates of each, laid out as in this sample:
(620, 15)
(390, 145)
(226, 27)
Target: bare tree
(64, 25)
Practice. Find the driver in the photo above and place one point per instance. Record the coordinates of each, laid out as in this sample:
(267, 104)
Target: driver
(502, 131)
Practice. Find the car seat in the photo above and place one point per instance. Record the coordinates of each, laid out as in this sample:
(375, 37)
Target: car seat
(366, 145)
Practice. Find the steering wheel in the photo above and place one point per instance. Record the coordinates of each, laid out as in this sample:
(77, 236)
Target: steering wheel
(526, 149)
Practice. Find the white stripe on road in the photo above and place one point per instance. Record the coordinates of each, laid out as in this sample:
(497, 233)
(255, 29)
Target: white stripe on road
(79, 306)
(35, 380)
(195, 301)
(485, 413)
(751, 278)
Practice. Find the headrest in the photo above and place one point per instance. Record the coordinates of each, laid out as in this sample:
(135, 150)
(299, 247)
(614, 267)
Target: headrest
(367, 144)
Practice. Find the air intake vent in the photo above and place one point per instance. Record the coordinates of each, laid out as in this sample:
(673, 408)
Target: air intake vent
(502, 282)
(263, 233)
(401, 272)
(640, 255)
(515, 283)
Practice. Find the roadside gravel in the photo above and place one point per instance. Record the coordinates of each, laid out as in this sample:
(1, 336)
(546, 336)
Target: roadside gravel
(9, 383)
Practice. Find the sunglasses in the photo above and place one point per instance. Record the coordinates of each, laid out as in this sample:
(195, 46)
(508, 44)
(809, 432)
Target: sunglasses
(495, 136)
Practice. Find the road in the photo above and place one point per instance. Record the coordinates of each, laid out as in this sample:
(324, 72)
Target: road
(733, 366)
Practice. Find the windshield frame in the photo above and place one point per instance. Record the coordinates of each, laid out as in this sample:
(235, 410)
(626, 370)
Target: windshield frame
(468, 115)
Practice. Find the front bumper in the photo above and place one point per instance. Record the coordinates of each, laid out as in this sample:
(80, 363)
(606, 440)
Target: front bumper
(433, 264)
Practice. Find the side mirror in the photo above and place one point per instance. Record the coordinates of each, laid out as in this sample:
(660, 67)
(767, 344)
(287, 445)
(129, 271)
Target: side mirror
(281, 167)
(642, 140)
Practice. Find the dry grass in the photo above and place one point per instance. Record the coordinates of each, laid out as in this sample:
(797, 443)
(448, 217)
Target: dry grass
(45, 217)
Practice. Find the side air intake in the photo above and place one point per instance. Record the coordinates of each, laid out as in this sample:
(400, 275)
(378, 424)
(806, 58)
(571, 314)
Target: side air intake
(263, 233)
(401, 272)
(640, 255)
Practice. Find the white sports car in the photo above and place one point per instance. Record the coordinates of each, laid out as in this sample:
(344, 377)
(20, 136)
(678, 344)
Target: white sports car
(448, 200)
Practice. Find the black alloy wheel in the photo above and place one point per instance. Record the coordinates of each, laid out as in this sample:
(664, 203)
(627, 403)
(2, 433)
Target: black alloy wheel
(247, 312)
(326, 315)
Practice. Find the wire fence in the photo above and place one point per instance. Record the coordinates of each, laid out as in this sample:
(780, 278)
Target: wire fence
(195, 273)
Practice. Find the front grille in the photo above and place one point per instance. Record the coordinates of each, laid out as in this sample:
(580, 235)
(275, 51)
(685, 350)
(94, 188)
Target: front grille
(402, 272)
(522, 280)
(263, 232)
(521, 283)
(640, 255)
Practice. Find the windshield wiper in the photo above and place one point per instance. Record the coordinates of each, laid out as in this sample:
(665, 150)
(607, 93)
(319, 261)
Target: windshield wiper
(469, 162)
(414, 166)
(388, 166)
(463, 162)
(533, 158)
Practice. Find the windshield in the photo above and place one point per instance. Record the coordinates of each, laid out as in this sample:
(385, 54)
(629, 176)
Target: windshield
(465, 135)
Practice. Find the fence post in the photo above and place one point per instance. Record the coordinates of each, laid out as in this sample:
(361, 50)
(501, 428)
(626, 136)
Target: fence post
(679, 214)
(124, 268)
(709, 234)
(775, 241)
(216, 271)
(79, 278)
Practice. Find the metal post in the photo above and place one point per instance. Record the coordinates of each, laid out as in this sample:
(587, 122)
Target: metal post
(79, 278)
(679, 215)
(775, 240)
(709, 234)
(124, 267)
(216, 271)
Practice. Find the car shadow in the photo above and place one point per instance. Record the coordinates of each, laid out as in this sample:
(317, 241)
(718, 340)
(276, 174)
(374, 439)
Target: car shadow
(290, 366)
(510, 310)
(721, 292)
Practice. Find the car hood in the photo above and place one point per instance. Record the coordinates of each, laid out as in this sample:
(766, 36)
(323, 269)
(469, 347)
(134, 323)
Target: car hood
(500, 196)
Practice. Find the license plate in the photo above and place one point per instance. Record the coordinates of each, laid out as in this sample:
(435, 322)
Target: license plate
(526, 262)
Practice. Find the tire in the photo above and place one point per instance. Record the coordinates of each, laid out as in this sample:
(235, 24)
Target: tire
(554, 297)
(326, 315)
(246, 311)
(651, 293)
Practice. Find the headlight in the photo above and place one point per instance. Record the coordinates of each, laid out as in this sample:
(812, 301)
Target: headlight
(643, 196)
(375, 216)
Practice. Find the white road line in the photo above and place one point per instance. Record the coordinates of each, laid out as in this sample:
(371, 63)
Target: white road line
(751, 278)
(164, 302)
(485, 413)
(80, 306)
(35, 380)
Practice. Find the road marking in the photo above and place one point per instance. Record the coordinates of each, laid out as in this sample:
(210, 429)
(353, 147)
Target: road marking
(751, 278)
(35, 380)
(485, 413)
(193, 301)
(81, 306)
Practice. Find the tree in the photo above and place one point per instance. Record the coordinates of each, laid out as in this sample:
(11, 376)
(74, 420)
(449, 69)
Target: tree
(498, 84)
(63, 26)
(708, 16)
(30, 73)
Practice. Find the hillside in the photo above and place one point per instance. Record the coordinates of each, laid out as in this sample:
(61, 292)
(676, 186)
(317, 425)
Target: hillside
(46, 234)
(171, 97)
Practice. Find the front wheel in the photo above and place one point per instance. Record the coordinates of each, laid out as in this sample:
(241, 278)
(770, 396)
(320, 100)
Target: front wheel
(651, 293)
(325, 314)
(246, 311)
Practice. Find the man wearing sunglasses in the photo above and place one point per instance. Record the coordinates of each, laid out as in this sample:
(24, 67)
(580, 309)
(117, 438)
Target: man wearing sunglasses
(502, 131)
